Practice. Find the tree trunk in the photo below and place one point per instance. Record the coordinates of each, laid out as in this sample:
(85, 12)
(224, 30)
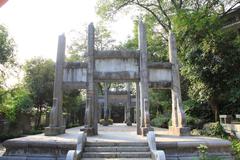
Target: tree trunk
(38, 118)
(215, 109)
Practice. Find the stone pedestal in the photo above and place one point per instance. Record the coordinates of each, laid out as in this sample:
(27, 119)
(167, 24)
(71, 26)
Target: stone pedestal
(179, 131)
(145, 130)
(53, 131)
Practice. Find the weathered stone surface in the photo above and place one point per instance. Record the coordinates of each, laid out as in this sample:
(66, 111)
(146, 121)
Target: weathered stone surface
(160, 85)
(138, 112)
(110, 54)
(122, 76)
(143, 78)
(56, 125)
(160, 65)
(106, 109)
(74, 85)
(178, 115)
(128, 115)
(75, 65)
(159, 75)
(91, 107)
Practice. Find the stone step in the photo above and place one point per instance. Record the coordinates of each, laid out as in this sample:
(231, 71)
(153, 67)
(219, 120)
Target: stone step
(110, 144)
(116, 155)
(117, 149)
(115, 159)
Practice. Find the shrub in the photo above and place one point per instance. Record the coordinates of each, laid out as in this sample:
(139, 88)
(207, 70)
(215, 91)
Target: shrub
(236, 148)
(214, 130)
(193, 122)
(105, 123)
(160, 121)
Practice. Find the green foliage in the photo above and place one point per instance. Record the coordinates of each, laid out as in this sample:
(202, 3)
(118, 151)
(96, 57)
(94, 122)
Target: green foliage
(213, 130)
(160, 103)
(236, 148)
(7, 58)
(210, 57)
(104, 122)
(160, 121)
(39, 78)
(202, 151)
(4, 137)
(16, 102)
(6, 47)
(78, 46)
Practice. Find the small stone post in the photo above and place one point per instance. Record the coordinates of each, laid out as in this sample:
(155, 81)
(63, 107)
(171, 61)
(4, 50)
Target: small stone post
(178, 116)
(138, 109)
(56, 124)
(90, 126)
(128, 114)
(142, 42)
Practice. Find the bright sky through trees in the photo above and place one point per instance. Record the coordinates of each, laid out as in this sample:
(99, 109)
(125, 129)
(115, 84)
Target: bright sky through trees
(36, 24)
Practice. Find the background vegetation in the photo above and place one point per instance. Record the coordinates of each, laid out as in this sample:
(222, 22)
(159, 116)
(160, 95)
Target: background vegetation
(209, 59)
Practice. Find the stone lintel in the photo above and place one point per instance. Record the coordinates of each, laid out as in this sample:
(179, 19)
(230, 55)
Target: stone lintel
(74, 85)
(75, 65)
(110, 76)
(116, 54)
(53, 131)
(179, 131)
(160, 65)
(160, 85)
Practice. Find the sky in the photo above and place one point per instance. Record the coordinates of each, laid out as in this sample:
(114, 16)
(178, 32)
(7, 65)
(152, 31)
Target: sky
(36, 24)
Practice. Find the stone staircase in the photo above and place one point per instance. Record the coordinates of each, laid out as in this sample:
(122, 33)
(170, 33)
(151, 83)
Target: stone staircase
(116, 150)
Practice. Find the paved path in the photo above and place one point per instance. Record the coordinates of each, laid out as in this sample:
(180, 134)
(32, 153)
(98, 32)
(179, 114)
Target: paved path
(118, 133)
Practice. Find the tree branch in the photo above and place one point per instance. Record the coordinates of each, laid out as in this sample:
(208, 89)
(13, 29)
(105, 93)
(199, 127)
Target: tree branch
(230, 9)
(165, 14)
(165, 27)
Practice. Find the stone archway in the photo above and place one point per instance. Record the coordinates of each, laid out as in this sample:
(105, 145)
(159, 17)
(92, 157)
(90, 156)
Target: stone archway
(117, 66)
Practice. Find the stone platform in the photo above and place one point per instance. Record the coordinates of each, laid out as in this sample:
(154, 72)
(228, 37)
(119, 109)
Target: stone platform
(49, 148)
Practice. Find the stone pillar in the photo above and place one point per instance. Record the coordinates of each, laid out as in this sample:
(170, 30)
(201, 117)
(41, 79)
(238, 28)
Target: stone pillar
(109, 112)
(128, 107)
(100, 111)
(90, 126)
(105, 101)
(138, 119)
(56, 124)
(125, 113)
(142, 42)
(178, 116)
(106, 115)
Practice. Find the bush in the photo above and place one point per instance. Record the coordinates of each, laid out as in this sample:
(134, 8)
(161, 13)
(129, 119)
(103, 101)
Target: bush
(236, 148)
(214, 130)
(160, 121)
(193, 122)
(105, 123)
(5, 136)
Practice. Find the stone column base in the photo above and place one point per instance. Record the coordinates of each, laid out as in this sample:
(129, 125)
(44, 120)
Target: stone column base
(179, 131)
(53, 131)
(90, 131)
(144, 130)
(128, 123)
